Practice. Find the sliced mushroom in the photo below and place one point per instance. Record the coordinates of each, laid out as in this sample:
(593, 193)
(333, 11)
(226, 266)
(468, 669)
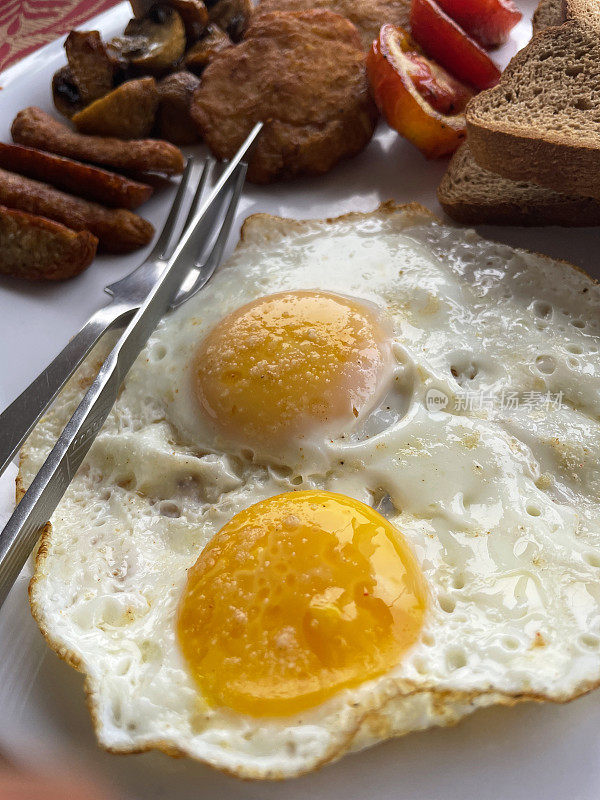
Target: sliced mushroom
(174, 122)
(127, 112)
(90, 64)
(154, 43)
(141, 7)
(232, 16)
(193, 13)
(65, 93)
(200, 54)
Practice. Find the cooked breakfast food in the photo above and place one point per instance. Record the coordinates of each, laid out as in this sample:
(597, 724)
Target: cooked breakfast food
(448, 44)
(489, 22)
(540, 123)
(71, 176)
(35, 128)
(91, 68)
(117, 230)
(232, 16)
(547, 13)
(193, 13)
(39, 249)
(473, 195)
(423, 78)
(367, 15)
(418, 98)
(65, 93)
(107, 87)
(46, 183)
(317, 111)
(217, 568)
(153, 44)
(205, 49)
(128, 112)
(174, 121)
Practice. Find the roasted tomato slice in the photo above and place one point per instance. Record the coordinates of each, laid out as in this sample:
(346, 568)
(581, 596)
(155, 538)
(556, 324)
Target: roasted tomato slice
(418, 98)
(447, 43)
(489, 22)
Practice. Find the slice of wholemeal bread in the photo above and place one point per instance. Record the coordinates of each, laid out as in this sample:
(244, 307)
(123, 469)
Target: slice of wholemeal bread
(541, 123)
(548, 12)
(473, 195)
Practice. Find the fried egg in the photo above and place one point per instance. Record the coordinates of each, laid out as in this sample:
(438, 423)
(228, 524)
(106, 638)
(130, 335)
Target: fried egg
(348, 491)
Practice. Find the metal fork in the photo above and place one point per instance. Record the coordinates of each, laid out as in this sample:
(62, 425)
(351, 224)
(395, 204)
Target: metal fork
(19, 418)
(54, 476)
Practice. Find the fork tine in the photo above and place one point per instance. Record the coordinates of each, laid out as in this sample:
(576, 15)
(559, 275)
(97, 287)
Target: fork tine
(209, 166)
(219, 245)
(204, 270)
(170, 222)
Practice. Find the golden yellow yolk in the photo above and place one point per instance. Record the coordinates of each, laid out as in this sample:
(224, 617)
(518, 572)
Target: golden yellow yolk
(282, 364)
(297, 597)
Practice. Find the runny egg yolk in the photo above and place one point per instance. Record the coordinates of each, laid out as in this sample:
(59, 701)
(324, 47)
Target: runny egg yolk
(296, 598)
(283, 364)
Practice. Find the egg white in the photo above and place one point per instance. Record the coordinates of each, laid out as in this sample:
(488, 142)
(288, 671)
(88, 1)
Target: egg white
(500, 505)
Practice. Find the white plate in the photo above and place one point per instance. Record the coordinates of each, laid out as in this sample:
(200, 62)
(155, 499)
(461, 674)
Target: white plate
(522, 753)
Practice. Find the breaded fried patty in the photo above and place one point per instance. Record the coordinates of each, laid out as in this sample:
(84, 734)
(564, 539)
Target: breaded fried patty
(367, 15)
(304, 75)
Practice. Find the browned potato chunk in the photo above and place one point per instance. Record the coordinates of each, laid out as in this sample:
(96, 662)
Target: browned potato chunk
(39, 249)
(154, 43)
(200, 54)
(91, 66)
(232, 16)
(174, 121)
(65, 93)
(127, 112)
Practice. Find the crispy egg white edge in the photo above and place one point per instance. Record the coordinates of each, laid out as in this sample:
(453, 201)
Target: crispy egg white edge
(418, 706)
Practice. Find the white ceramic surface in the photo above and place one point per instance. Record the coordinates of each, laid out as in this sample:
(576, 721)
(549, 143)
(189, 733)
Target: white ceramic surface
(529, 752)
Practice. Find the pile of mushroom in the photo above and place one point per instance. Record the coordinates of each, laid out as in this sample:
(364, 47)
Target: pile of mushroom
(141, 83)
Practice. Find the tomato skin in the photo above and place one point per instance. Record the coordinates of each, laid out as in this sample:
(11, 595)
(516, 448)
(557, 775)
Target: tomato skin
(389, 67)
(449, 45)
(489, 22)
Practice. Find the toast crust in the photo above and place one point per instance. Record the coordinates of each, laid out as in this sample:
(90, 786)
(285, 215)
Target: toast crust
(472, 195)
(565, 166)
(560, 150)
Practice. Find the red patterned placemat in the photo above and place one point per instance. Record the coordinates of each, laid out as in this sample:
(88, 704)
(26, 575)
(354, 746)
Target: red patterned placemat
(26, 25)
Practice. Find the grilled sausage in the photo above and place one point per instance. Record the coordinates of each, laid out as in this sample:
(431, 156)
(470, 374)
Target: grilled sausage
(35, 248)
(92, 183)
(118, 230)
(35, 128)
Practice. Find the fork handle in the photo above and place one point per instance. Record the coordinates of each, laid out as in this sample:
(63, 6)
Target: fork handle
(18, 420)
